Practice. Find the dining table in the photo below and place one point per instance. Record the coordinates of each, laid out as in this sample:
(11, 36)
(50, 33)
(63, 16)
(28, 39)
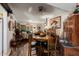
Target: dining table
(48, 39)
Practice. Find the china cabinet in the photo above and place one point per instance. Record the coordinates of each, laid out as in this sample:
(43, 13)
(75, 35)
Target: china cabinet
(70, 47)
(71, 28)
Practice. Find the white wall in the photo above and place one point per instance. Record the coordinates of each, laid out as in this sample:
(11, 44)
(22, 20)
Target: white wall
(4, 18)
(0, 37)
(5, 33)
(2, 10)
(7, 36)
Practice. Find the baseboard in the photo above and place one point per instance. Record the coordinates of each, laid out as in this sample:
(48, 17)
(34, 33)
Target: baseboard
(7, 53)
(0, 53)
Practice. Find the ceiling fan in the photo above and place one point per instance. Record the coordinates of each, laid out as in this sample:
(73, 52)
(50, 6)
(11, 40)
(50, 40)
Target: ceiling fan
(41, 9)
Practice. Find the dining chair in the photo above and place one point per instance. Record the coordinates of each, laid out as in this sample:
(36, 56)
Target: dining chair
(50, 47)
(32, 46)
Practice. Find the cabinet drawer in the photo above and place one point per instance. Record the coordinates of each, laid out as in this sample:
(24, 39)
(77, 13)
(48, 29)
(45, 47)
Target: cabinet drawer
(71, 51)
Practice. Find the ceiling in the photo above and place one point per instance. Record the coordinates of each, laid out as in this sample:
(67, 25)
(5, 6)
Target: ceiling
(65, 6)
(28, 12)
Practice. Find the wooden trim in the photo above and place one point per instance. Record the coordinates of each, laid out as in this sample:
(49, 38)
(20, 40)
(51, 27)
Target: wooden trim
(6, 7)
(59, 19)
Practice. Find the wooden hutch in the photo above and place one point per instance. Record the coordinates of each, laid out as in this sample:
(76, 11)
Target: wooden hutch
(71, 30)
(71, 27)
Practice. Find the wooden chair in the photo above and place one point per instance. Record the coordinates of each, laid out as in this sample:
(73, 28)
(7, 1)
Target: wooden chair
(51, 46)
(32, 46)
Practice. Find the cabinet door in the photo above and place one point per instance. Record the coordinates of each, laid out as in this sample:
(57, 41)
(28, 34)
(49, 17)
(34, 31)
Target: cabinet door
(71, 51)
(77, 26)
(75, 30)
(70, 29)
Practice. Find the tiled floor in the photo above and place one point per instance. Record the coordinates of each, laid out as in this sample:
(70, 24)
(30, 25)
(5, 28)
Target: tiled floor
(20, 51)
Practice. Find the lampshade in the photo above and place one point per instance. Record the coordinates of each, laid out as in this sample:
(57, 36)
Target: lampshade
(48, 27)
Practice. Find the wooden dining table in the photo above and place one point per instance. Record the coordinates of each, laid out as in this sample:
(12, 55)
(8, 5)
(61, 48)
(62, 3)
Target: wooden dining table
(48, 39)
(39, 38)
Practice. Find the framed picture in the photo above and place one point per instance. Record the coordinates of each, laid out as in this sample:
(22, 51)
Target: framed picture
(56, 21)
(14, 24)
(11, 22)
(10, 25)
